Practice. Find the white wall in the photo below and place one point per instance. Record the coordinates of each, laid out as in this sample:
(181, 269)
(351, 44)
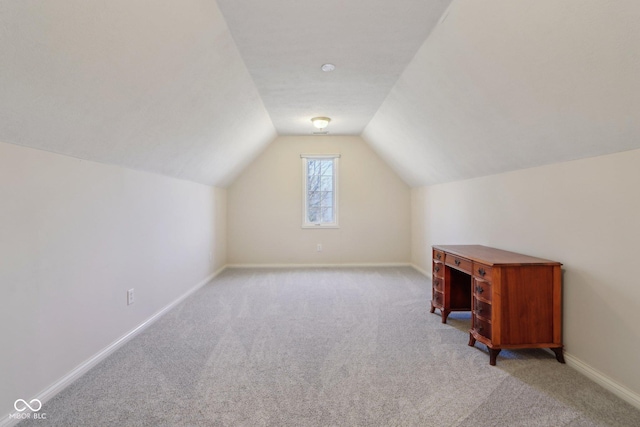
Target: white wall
(265, 208)
(74, 236)
(585, 214)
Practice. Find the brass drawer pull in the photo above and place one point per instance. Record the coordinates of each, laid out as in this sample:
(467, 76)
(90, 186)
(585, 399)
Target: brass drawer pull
(479, 289)
(436, 268)
(481, 272)
(438, 255)
(457, 262)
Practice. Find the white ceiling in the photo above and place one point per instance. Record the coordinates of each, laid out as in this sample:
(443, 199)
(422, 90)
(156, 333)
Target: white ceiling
(197, 91)
(502, 85)
(145, 84)
(284, 44)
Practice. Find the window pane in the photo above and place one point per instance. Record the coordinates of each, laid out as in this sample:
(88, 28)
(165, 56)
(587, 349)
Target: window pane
(315, 199)
(313, 183)
(326, 198)
(327, 167)
(314, 215)
(326, 183)
(313, 167)
(327, 215)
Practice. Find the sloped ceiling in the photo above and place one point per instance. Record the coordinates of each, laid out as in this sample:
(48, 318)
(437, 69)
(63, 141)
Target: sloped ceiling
(145, 84)
(285, 42)
(196, 89)
(502, 85)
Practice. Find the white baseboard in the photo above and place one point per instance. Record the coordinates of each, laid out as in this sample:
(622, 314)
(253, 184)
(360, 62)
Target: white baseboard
(613, 386)
(420, 270)
(78, 371)
(355, 264)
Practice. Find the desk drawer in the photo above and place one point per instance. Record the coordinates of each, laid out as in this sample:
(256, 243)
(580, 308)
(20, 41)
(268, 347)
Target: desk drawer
(482, 327)
(438, 284)
(481, 309)
(482, 289)
(438, 269)
(482, 271)
(438, 299)
(438, 255)
(458, 263)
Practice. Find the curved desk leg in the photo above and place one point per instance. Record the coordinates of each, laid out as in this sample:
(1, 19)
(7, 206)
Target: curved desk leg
(493, 353)
(432, 308)
(445, 314)
(559, 355)
(472, 340)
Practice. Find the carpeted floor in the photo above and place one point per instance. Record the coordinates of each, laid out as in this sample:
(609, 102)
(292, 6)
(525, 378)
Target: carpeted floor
(325, 347)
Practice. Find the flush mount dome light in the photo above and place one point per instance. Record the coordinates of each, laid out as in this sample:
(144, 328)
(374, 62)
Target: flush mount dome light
(328, 67)
(320, 122)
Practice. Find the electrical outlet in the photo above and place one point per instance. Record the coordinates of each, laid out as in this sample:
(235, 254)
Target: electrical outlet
(319, 247)
(130, 297)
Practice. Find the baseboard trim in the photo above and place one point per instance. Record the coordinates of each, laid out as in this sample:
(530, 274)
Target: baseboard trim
(328, 265)
(613, 386)
(420, 270)
(84, 367)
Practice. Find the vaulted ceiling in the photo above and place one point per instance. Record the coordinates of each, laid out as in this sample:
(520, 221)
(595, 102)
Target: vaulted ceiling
(442, 90)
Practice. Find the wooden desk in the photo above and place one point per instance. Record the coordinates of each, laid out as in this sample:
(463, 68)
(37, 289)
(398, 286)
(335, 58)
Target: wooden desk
(515, 299)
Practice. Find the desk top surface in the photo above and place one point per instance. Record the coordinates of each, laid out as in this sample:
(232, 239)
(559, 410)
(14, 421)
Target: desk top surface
(492, 256)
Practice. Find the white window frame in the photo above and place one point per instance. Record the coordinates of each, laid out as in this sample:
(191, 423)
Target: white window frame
(305, 203)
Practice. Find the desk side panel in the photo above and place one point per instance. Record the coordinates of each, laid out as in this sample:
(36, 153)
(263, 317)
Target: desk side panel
(527, 303)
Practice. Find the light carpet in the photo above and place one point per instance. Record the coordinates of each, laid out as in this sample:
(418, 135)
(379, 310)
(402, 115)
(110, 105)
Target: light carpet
(325, 347)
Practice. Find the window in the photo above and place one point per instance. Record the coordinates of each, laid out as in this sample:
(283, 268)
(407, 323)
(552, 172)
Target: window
(320, 190)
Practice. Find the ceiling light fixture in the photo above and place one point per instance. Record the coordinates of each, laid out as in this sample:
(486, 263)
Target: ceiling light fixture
(328, 67)
(320, 122)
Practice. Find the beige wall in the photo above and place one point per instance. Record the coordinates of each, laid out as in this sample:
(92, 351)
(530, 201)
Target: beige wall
(585, 214)
(74, 236)
(265, 208)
